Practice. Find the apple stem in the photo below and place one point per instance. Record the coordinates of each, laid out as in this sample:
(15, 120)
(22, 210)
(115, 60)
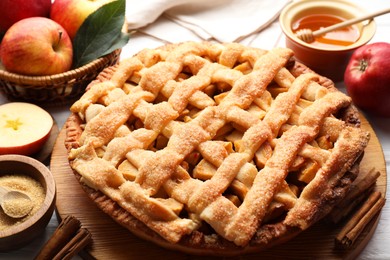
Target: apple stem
(59, 39)
(363, 64)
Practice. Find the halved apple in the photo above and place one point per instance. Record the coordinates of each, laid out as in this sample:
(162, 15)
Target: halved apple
(24, 128)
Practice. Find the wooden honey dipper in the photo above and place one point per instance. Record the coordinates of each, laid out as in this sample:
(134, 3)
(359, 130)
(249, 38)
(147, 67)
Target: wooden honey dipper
(308, 35)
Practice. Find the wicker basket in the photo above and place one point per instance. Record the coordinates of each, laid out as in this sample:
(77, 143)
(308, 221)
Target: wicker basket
(54, 89)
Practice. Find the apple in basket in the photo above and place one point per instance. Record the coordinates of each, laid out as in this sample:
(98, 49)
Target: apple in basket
(24, 128)
(16, 10)
(36, 46)
(72, 13)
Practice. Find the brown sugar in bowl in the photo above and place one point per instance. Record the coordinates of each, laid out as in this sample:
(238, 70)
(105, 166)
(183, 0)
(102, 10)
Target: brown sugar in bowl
(329, 62)
(20, 234)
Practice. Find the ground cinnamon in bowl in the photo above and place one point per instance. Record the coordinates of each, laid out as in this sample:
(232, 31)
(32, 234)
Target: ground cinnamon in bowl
(28, 185)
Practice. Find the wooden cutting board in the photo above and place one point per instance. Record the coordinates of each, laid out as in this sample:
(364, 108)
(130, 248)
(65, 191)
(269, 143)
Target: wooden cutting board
(111, 241)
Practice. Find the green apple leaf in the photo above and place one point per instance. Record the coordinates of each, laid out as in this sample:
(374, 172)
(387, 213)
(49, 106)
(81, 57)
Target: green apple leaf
(100, 34)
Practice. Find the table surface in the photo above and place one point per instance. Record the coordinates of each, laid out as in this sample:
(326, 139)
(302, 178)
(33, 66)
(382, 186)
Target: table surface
(377, 248)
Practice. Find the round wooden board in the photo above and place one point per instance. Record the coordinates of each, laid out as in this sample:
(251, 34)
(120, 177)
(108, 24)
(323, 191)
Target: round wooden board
(47, 149)
(111, 241)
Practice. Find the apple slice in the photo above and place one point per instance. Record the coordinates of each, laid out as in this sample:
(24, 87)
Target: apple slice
(24, 128)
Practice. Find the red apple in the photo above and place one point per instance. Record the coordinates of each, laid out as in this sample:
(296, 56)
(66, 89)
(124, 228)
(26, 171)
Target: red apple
(367, 78)
(24, 128)
(36, 46)
(72, 13)
(16, 10)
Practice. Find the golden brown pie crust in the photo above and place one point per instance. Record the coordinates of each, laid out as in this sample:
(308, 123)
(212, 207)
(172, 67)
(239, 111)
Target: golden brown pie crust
(288, 125)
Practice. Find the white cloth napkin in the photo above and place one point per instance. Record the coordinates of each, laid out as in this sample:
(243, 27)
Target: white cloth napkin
(220, 20)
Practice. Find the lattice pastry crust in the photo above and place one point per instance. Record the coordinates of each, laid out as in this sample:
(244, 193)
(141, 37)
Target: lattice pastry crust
(214, 148)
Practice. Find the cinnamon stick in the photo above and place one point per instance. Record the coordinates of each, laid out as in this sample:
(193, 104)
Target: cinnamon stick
(342, 211)
(359, 191)
(360, 219)
(75, 245)
(66, 229)
(363, 184)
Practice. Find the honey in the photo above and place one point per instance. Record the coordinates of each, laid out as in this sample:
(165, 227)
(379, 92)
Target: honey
(335, 39)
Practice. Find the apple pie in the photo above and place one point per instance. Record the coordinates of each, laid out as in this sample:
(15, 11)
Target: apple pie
(214, 148)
